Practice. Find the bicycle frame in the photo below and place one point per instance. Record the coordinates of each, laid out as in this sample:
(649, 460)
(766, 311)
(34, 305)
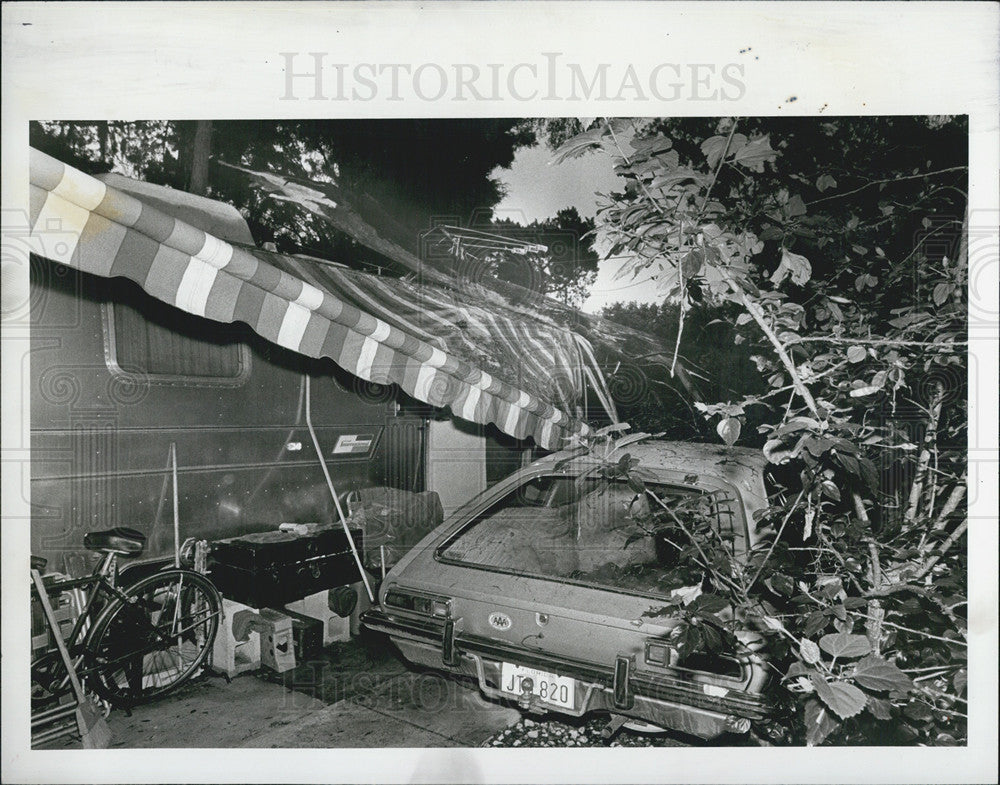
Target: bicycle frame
(93, 585)
(101, 582)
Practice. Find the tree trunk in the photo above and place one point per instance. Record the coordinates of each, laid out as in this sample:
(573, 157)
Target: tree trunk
(201, 151)
(102, 140)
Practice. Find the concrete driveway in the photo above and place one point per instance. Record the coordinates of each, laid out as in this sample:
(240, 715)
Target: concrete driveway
(356, 694)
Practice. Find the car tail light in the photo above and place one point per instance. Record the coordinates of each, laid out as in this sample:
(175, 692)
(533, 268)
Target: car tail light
(622, 687)
(449, 655)
(426, 605)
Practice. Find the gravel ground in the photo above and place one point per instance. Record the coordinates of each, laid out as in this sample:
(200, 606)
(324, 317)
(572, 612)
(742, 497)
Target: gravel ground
(570, 733)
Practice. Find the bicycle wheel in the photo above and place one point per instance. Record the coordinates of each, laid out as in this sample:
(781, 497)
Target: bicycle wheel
(153, 641)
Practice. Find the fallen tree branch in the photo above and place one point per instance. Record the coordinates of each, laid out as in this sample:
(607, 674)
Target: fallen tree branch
(909, 629)
(930, 439)
(774, 542)
(945, 546)
(779, 348)
(927, 594)
(878, 341)
(876, 613)
(950, 505)
(893, 180)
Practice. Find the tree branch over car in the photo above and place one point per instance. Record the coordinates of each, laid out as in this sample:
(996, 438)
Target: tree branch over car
(836, 254)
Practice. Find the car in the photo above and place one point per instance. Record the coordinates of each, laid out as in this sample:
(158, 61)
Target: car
(549, 590)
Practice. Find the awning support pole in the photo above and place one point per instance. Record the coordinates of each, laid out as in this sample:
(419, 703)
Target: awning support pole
(333, 491)
(177, 521)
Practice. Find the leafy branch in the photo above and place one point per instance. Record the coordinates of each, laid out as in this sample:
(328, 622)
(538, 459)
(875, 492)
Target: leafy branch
(816, 289)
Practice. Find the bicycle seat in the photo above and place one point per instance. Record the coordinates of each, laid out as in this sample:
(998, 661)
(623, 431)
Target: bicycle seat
(121, 540)
(38, 562)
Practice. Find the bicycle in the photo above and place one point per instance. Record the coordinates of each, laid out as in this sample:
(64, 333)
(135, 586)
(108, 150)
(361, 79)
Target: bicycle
(128, 644)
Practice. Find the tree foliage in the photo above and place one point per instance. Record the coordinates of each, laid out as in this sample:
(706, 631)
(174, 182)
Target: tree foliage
(408, 174)
(566, 270)
(405, 176)
(835, 251)
(722, 369)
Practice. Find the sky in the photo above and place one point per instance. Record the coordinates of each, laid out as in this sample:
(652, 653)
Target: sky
(537, 190)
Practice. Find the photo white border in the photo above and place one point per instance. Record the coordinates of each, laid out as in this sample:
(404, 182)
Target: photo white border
(84, 61)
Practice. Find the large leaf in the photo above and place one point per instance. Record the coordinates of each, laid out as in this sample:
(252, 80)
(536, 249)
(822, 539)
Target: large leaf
(880, 709)
(856, 353)
(844, 699)
(868, 472)
(809, 651)
(776, 451)
(814, 622)
(825, 181)
(756, 153)
(579, 144)
(876, 673)
(941, 293)
(729, 430)
(686, 639)
(830, 490)
(794, 265)
(800, 267)
(850, 463)
(820, 723)
(919, 711)
(795, 207)
(636, 484)
(692, 263)
(711, 638)
(650, 145)
(709, 603)
(781, 584)
(843, 644)
(713, 147)
(670, 179)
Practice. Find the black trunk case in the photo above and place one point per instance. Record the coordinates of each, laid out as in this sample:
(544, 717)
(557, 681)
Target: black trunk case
(272, 569)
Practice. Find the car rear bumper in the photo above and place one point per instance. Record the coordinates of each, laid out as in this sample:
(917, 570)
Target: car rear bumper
(660, 699)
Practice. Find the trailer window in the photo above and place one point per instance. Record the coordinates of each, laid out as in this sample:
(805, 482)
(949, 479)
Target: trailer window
(158, 341)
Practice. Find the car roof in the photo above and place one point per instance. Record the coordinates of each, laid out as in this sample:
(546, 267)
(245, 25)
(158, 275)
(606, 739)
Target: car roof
(739, 466)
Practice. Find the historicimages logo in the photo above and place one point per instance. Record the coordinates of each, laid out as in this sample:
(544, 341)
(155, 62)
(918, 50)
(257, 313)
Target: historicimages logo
(315, 76)
(23, 263)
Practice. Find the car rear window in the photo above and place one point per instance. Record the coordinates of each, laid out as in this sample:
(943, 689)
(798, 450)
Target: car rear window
(597, 531)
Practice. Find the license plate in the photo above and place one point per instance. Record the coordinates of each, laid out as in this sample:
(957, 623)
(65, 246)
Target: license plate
(557, 690)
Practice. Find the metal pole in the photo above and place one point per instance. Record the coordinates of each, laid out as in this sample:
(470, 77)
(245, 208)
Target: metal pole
(177, 523)
(333, 491)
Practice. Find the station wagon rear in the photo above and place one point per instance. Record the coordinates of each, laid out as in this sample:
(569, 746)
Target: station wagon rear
(558, 589)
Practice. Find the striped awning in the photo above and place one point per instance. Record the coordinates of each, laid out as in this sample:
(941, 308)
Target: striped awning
(532, 354)
(421, 338)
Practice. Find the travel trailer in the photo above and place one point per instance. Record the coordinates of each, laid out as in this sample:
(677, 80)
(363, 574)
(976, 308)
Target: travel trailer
(130, 395)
